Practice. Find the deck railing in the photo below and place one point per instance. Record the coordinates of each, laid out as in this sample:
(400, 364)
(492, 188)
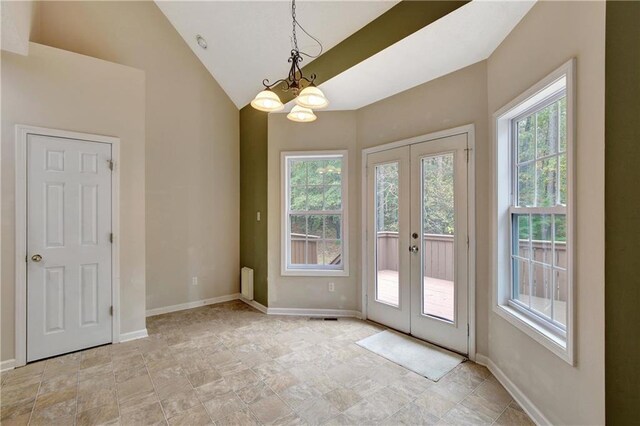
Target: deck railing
(438, 254)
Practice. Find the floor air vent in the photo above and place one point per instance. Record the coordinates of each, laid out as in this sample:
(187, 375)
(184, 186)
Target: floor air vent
(323, 319)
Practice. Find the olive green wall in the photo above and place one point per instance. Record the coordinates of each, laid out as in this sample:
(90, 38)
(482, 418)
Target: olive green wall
(622, 212)
(397, 23)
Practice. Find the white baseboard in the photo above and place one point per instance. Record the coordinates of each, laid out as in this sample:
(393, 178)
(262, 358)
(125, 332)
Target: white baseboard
(191, 305)
(534, 413)
(9, 364)
(257, 305)
(133, 335)
(302, 312)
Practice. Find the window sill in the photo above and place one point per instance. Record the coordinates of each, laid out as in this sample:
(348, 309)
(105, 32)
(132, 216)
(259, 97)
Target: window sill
(313, 273)
(551, 341)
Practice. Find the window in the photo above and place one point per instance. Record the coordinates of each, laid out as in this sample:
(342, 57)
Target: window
(539, 212)
(314, 237)
(534, 140)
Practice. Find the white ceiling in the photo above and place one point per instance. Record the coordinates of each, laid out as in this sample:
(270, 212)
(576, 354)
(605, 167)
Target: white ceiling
(465, 36)
(250, 40)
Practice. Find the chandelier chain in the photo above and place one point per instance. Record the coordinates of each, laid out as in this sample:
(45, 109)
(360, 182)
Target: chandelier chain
(293, 15)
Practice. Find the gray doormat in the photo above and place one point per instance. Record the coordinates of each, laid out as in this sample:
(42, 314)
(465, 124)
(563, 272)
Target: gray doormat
(420, 357)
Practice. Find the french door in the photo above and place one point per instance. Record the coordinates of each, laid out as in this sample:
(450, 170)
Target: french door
(417, 240)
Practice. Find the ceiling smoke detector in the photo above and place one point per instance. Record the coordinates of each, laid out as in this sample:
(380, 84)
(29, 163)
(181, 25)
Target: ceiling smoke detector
(201, 41)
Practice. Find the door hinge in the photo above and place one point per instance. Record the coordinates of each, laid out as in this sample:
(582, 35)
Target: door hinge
(111, 310)
(111, 238)
(467, 151)
(467, 330)
(110, 162)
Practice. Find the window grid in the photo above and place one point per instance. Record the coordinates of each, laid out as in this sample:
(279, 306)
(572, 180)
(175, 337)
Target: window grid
(558, 152)
(321, 211)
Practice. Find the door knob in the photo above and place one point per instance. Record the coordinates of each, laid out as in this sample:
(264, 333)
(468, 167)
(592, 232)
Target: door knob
(36, 258)
(413, 249)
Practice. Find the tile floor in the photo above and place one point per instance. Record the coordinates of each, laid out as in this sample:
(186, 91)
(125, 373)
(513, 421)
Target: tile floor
(228, 364)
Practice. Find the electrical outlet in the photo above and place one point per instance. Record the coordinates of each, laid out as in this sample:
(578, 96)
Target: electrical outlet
(332, 287)
(194, 280)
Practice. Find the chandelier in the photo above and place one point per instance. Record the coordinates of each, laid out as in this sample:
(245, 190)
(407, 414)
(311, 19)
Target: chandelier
(307, 96)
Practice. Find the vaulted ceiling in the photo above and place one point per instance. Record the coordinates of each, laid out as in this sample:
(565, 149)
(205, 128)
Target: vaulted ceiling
(250, 40)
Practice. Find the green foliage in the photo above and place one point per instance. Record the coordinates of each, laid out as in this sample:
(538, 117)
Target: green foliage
(541, 174)
(438, 196)
(315, 185)
(541, 227)
(387, 191)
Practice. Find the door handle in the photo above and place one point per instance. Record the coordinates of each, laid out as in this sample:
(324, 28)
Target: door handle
(413, 249)
(36, 258)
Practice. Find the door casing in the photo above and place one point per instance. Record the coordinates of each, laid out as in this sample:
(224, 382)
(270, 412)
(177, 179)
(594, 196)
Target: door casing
(22, 132)
(469, 130)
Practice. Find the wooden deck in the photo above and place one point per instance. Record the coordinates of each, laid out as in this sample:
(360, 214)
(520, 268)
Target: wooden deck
(439, 297)
(438, 294)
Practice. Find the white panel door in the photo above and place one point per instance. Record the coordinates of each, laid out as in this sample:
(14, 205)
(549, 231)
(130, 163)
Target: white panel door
(439, 259)
(68, 245)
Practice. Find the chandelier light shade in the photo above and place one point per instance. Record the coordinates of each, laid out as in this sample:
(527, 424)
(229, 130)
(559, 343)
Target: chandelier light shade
(301, 114)
(267, 101)
(312, 97)
(307, 95)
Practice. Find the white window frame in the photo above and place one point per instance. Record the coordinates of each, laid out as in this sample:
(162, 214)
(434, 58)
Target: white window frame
(313, 270)
(560, 342)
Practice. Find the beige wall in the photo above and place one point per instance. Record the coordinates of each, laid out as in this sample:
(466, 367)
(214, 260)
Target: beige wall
(332, 131)
(453, 100)
(548, 36)
(450, 101)
(564, 394)
(62, 90)
(192, 152)
(18, 19)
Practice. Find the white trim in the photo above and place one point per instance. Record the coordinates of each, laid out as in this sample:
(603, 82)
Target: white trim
(254, 304)
(502, 205)
(469, 130)
(302, 312)
(9, 364)
(191, 305)
(529, 407)
(133, 335)
(285, 270)
(22, 132)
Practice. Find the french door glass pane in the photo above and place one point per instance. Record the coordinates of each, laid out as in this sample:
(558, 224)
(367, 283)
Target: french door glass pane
(438, 236)
(387, 227)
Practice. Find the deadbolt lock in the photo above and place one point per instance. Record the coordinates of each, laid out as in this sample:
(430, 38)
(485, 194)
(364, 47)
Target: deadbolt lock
(414, 235)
